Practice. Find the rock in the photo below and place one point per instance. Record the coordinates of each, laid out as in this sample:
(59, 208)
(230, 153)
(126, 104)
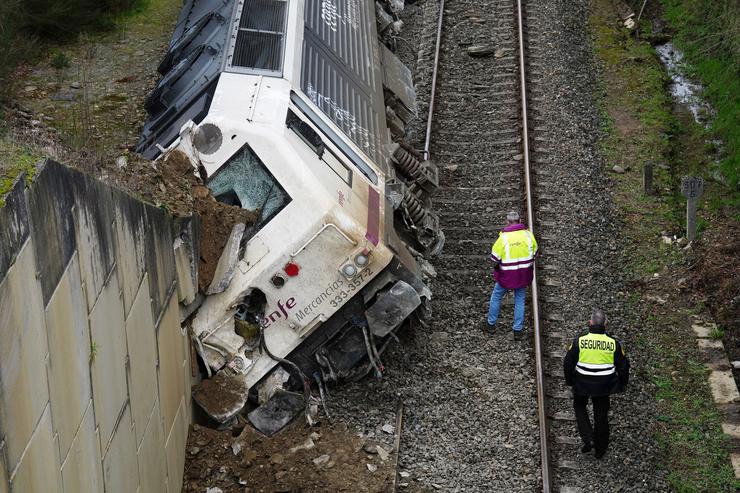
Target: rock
(214, 490)
(307, 445)
(480, 50)
(682, 242)
(321, 460)
(404, 474)
(436, 486)
(618, 169)
(236, 447)
(451, 167)
(382, 453)
(193, 450)
(371, 467)
(370, 448)
(735, 365)
(162, 188)
(75, 85)
(30, 88)
(277, 459)
(667, 240)
(500, 53)
(469, 372)
(315, 436)
(121, 162)
(439, 337)
(388, 428)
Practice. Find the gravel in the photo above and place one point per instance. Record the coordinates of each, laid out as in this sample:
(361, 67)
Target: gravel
(470, 405)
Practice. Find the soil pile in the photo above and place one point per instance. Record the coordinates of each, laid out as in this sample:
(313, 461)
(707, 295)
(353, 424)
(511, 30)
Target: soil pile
(324, 458)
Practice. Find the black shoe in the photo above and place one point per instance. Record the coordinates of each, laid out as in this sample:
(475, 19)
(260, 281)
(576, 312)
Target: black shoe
(587, 447)
(486, 327)
(599, 453)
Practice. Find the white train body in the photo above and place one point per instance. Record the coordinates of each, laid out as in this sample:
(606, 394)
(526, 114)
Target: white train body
(286, 115)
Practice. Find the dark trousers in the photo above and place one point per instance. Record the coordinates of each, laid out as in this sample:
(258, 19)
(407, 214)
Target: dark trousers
(599, 434)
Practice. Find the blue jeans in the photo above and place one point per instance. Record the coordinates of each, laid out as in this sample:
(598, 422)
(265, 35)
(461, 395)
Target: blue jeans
(495, 305)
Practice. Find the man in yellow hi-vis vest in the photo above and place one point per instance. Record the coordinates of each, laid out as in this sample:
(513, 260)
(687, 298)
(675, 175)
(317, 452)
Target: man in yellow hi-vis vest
(596, 367)
(513, 269)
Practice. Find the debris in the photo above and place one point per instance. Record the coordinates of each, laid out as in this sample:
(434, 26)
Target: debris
(278, 412)
(436, 486)
(500, 53)
(372, 467)
(388, 428)
(121, 162)
(370, 448)
(307, 445)
(321, 460)
(194, 450)
(480, 50)
(439, 337)
(276, 380)
(236, 447)
(452, 167)
(315, 436)
(736, 365)
(382, 453)
(667, 240)
(682, 242)
(404, 474)
(214, 490)
(30, 88)
(222, 396)
(227, 263)
(75, 85)
(618, 169)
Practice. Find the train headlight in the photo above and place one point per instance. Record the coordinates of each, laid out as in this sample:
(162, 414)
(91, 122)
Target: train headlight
(361, 260)
(349, 271)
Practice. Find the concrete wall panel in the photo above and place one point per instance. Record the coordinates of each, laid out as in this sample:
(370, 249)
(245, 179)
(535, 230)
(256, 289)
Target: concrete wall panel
(4, 480)
(152, 466)
(175, 449)
(39, 470)
(69, 355)
(142, 370)
(82, 469)
(13, 225)
(159, 257)
(23, 350)
(172, 372)
(120, 464)
(94, 235)
(108, 364)
(130, 244)
(52, 219)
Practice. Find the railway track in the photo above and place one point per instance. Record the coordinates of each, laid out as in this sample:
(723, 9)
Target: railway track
(504, 164)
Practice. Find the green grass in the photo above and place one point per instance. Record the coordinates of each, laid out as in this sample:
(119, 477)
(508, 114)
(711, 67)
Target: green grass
(708, 32)
(15, 160)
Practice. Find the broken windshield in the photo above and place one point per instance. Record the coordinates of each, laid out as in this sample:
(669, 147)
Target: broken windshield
(244, 181)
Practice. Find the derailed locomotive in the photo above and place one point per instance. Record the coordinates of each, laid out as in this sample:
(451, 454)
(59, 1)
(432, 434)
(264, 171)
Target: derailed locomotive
(296, 110)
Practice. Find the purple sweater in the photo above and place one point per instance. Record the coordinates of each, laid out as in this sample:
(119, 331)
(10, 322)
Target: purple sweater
(513, 275)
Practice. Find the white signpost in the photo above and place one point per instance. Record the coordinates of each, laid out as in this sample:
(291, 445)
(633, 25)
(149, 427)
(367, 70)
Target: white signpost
(691, 187)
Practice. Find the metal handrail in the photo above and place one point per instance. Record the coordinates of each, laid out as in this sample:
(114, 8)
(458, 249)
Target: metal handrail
(541, 414)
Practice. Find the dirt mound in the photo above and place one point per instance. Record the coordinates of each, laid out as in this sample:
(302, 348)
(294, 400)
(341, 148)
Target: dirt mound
(325, 458)
(717, 275)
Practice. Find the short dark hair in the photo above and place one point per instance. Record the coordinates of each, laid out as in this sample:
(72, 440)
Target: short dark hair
(598, 317)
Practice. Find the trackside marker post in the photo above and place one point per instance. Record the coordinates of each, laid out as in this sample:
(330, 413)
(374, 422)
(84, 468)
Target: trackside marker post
(691, 187)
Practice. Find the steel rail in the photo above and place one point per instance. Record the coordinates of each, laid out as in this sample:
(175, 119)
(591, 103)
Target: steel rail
(541, 414)
(430, 115)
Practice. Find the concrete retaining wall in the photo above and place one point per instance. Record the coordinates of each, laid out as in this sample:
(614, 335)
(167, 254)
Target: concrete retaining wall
(94, 367)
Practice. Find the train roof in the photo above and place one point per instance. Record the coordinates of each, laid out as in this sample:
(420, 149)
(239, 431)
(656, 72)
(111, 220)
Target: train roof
(340, 65)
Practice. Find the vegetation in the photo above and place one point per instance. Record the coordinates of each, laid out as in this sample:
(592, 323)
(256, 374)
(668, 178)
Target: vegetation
(708, 32)
(27, 24)
(638, 126)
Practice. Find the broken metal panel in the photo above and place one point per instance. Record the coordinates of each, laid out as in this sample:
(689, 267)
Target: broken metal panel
(397, 78)
(227, 262)
(392, 308)
(280, 410)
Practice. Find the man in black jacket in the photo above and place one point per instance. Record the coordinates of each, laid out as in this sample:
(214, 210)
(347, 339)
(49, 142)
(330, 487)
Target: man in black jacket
(596, 367)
